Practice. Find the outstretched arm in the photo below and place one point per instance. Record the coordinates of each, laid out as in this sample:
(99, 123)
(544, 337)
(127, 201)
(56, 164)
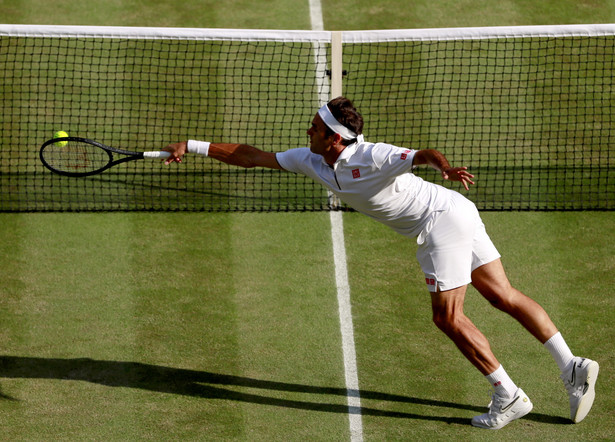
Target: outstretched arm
(241, 155)
(438, 161)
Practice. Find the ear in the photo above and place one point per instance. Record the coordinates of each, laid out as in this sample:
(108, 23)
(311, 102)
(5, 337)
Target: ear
(337, 139)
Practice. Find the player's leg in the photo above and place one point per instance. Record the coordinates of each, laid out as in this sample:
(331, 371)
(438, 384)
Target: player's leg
(446, 256)
(448, 315)
(578, 374)
(508, 401)
(491, 281)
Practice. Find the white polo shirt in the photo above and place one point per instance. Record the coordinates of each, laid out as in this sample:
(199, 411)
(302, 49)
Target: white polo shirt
(376, 180)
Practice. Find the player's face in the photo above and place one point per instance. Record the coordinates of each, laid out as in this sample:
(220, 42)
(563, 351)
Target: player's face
(319, 141)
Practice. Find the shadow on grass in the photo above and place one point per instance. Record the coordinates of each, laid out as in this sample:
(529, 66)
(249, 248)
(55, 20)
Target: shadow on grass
(208, 385)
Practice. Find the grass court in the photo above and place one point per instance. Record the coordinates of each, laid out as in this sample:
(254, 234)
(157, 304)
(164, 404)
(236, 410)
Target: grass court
(225, 326)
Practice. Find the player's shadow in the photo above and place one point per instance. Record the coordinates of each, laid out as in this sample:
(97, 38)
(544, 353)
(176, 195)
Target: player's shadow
(208, 385)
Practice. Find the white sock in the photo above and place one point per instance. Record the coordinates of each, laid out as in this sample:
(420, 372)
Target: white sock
(560, 351)
(504, 386)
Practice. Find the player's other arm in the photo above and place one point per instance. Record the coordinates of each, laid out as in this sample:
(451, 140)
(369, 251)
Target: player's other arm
(438, 161)
(242, 155)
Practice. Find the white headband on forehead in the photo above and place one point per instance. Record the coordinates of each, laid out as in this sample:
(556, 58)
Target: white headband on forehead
(334, 125)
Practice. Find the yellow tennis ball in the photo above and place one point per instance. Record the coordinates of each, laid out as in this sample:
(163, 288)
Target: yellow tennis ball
(60, 134)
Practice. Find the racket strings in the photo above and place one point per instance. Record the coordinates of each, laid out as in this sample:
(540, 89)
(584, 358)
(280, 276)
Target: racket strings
(76, 157)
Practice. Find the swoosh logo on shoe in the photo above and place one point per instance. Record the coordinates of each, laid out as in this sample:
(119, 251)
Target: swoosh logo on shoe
(574, 368)
(503, 409)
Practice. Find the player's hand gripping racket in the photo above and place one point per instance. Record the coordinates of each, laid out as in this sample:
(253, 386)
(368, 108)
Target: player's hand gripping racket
(78, 157)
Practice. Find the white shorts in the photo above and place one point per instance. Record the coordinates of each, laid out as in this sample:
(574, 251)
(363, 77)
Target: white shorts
(456, 245)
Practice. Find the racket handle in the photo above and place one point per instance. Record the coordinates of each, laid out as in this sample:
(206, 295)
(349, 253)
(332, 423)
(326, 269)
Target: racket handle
(156, 154)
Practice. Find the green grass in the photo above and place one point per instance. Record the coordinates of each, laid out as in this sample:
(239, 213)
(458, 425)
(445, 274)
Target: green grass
(129, 326)
(224, 326)
(272, 14)
(129, 322)
(390, 14)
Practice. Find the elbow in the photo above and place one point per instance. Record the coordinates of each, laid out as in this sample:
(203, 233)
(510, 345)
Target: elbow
(432, 158)
(246, 157)
(420, 157)
(246, 162)
(250, 157)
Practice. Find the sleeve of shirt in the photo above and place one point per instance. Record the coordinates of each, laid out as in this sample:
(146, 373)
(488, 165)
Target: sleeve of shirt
(294, 160)
(392, 160)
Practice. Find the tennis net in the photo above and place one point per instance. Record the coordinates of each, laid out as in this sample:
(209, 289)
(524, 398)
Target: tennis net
(528, 110)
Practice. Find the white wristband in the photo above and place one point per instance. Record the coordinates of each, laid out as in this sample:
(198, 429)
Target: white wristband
(198, 147)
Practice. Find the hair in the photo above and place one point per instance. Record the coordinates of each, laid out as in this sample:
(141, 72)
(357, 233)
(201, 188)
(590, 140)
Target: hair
(344, 111)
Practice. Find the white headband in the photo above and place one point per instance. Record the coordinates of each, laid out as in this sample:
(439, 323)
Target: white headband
(334, 125)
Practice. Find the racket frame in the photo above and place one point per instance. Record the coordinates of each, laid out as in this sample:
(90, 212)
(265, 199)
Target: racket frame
(130, 156)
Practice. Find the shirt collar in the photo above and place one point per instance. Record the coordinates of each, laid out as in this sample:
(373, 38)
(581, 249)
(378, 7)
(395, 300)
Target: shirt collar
(346, 153)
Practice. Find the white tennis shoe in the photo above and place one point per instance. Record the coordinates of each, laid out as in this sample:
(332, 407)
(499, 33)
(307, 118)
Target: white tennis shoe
(502, 411)
(580, 381)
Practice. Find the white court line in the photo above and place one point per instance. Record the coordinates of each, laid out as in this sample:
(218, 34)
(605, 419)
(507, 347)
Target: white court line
(343, 300)
(316, 16)
(341, 275)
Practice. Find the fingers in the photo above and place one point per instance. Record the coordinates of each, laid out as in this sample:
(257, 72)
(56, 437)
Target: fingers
(173, 159)
(459, 174)
(466, 178)
(177, 151)
(463, 171)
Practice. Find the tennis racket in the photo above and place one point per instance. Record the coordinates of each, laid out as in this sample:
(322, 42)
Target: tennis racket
(79, 157)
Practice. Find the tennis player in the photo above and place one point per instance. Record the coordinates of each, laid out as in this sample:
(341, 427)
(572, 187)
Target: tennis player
(454, 249)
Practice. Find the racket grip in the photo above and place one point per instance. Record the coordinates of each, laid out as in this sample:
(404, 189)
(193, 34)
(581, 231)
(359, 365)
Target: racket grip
(156, 154)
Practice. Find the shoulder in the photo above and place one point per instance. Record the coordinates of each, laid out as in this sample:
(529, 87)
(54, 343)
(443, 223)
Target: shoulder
(384, 153)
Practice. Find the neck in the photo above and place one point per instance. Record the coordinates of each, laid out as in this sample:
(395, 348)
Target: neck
(331, 155)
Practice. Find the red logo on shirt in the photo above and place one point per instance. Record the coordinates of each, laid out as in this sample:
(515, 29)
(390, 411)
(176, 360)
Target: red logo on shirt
(356, 174)
(405, 155)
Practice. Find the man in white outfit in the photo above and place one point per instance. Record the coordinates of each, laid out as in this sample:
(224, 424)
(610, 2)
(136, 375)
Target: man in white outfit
(454, 248)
